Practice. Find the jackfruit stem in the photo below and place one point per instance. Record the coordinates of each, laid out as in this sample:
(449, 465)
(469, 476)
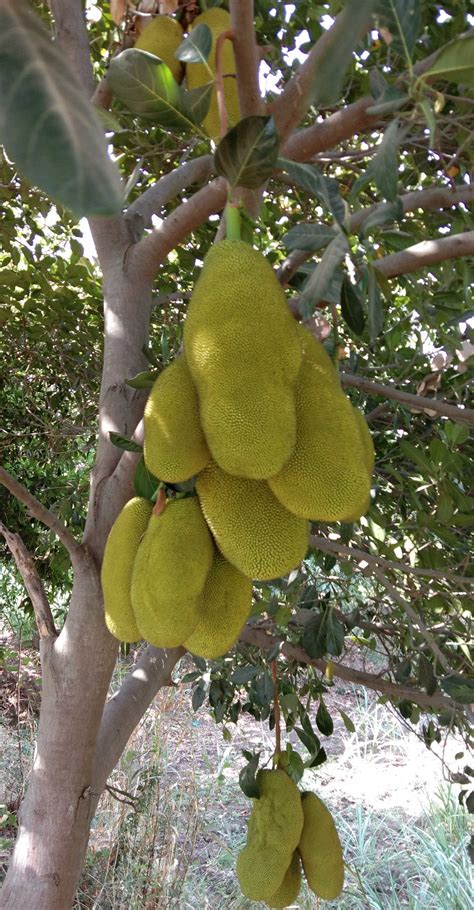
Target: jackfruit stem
(276, 711)
(232, 221)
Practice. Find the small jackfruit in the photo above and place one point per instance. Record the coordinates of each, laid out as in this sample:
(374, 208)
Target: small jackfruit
(226, 604)
(170, 571)
(175, 448)
(198, 74)
(274, 831)
(320, 849)
(250, 526)
(244, 355)
(325, 478)
(290, 886)
(117, 567)
(162, 37)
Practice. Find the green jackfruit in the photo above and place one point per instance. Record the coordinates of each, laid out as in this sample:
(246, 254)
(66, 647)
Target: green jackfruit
(244, 355)
(251, 528)
(320, 849)
(366, 439)
(169, 574)
(162, 37)
(326, 477)
(290, 886)
(274, 831)
(226, 604)
(175, 448)
(117, 567)
(198, 74)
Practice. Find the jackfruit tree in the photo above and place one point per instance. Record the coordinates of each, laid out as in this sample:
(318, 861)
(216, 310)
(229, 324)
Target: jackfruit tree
(236, 340)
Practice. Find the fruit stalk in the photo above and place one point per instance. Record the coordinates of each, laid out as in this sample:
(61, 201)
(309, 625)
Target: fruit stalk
(219, 80)
(276, 711)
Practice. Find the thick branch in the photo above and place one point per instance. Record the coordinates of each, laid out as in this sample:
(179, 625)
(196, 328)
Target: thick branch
(428, 252)
(458, 414)
(342, 125)
(247, 57)
(138, 215)
(32, 582)
(125, 709)
(441, 197)
(373, 559)
(252, 635)
(39, 511)
(147, 255)
(72, 37)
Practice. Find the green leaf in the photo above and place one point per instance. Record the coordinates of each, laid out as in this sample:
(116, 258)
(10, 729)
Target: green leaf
(401, 22)
(199, 694)
(123, 443)
(334, 633)
(426, 675)
(336, 55)
(460, 688)
(455, 62)
(324, 720)
(196, 101)
(143, 380)
(391, 101)
(316, 286)
(310, 237)
(147, 87)
(347, 721)
(323, 634)
(326, 189)
(47, 125)
(374, 305)
(197, 46)
(247, 778)
(352, 307)
(384, 166)
(144, 483)
(383, 214)
(243, 675)
(417, 456)
(248, 153)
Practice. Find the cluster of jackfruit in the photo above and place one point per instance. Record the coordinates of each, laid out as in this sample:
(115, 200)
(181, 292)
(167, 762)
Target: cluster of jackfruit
(286, 830)
(162, 37)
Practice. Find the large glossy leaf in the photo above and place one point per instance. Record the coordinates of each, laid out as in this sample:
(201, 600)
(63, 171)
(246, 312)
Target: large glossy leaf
(197, 46)
(247, 155)
(147, 87)
(326, 189)
(384, 167)
(399, 22)
(352, 307)
(383, 214)
(310, 237)
(374, 305)
(47, 125)
(320, 280)
(336, 56)
(455, 62)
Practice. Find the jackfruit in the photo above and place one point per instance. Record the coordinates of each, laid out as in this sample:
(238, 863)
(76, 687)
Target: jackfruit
(244, 355)
(366, 439)
(175, 448)
(226, 604)
(117, 567)
(320, 849)
(250, 526)
(162, 37)
(274, 831)
(170, 571)
(326, 477)
(290, 886)
(198, 74)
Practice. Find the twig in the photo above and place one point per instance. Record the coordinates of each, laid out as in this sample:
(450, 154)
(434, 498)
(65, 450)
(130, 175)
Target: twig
(453, 411)
(276, 712)
(138, 214)
(39, 511)
(32, 581)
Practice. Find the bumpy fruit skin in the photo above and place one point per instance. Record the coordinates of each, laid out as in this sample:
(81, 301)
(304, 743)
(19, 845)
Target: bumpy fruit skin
(162, 37)
(290, 886)
(197, 74)
(320, 849)
(169, 574)
(117, 567)
(366, 439)
(175, 447)
(226, 605)
(244, 355)
(274, 831)
(326, 477)
(251, 528)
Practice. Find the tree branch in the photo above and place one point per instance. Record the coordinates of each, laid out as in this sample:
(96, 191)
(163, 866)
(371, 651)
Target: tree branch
(146, 256)
(39, 511)
(32, 582)
(72, 37)
(138, 215)
(372, 559)
(125, 709)
(441, 197)
(247, 58)
(428, 252)
(342, 125)
(253, 635)
(420, 402)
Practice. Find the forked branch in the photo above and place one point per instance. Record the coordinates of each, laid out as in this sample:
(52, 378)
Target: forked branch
(32, 581)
